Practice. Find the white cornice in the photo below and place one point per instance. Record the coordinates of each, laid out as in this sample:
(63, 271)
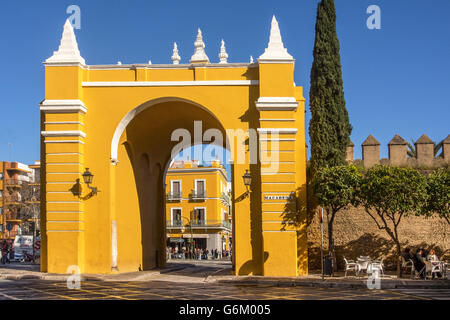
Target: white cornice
(169, 83)
(64, 141)
(276, 103)
(170, 66)
(277, 130)
(63, 106)
(275, 61)
(68, 133)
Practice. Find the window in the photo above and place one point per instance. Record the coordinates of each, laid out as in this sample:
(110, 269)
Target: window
(199, 215)
(176, 187)
(176, 214)
(200, 186)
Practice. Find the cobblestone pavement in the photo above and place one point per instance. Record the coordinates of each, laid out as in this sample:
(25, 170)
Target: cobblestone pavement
(156, 290)
(190, 282)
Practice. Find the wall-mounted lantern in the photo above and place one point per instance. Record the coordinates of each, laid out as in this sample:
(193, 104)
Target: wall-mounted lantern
(87, 178)
(247, 181)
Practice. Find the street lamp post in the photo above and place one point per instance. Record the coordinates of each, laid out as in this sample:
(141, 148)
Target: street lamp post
(191, 249)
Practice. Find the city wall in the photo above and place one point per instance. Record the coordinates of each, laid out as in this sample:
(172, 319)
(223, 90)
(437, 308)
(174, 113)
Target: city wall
(355, 232)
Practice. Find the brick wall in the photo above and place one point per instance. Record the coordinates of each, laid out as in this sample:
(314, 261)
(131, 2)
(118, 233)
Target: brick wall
(356, 234)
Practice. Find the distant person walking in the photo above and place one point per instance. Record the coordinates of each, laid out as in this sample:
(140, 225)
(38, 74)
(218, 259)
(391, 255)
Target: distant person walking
(5, 252)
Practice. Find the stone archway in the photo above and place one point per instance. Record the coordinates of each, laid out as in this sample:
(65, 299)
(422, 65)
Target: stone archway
(116, 120)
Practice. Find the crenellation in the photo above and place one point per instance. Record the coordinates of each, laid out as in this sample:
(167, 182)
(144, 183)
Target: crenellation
(446, 149)
(370, 151)
(350, 155)
(398, 153)
(424, 151)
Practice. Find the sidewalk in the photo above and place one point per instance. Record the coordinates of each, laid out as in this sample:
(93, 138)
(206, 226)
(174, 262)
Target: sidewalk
(339, 281)
(22, 271)
(16, 271)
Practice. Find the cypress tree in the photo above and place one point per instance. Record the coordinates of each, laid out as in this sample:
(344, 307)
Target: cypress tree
(329, 127)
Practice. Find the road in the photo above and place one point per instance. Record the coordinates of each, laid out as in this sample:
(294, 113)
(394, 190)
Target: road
(190, 283)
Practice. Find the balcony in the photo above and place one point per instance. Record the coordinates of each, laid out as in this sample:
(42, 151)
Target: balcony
(175, 224)
(198, 195)
(13, 183)
(174, 196)
(13, 199)
(212, 224)
(33, 199)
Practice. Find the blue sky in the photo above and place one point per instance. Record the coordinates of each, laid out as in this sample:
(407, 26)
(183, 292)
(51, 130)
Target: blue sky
(396, 79)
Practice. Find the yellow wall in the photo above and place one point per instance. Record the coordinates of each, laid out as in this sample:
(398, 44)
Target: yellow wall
(131, 198)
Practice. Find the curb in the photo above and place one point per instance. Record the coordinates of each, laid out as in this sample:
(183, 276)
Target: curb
(336, 284)
(86, 277)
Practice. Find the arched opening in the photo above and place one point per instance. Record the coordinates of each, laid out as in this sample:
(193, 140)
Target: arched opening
(149, 139)
(199, 207)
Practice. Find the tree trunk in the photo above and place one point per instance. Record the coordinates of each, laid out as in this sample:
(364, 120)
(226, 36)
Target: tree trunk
(399, 254)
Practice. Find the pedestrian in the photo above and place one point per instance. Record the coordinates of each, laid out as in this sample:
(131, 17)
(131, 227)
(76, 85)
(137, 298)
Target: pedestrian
(419, 264)
(206, 254)
(5, 252)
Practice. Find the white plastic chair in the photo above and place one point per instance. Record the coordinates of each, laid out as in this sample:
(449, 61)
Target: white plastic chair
(377, 265)
(350, 265)
(408, 264)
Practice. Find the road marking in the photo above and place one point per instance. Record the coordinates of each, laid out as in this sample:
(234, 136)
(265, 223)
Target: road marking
(8, 296)
(53, 294)
(131, 291)
(407, 295)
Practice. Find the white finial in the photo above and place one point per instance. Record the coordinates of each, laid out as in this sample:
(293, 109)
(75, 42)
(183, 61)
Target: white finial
(175, 56)
(199, 54)
(275, 50)
(68, 49)
(251, 59)
(223, 55)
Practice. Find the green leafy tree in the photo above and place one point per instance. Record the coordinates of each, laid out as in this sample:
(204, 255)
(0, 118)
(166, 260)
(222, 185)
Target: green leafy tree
(438, 191)
(390, 193)
(329, 127)
(335, 189)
